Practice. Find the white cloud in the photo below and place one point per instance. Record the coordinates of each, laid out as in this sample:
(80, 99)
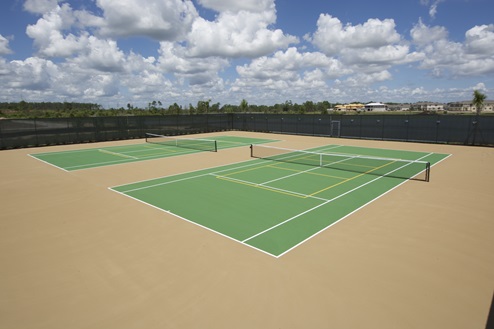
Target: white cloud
(173, 59)
(288, 65)
(366, 50)
(433, 6)
(101, 55)
(332, 37)
(362, 79)
(423, 35)
(33, 74)
(242, 34)
(40, 6)
(386, 55)
(236, 6)
(82, 54)
(4, 46)
(444, 57)
(157, 19)
(480, 39)
(289, 74)
(48, 33)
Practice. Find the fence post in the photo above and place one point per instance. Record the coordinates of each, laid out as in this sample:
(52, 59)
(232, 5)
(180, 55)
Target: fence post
(36, 132)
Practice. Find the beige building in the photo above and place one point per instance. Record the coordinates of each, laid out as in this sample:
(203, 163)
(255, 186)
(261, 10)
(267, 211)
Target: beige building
(429, 106)
(467, 106)
(350, 107)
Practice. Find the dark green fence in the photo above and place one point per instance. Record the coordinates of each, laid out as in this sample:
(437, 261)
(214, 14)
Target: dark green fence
(450, 129)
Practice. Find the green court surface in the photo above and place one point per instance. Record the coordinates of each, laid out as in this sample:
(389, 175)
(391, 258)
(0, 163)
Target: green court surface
(105, 156)
(275, 204)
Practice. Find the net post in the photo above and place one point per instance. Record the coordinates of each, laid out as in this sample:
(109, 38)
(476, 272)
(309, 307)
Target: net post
(215, 145)
(251, 150)
(427, 171)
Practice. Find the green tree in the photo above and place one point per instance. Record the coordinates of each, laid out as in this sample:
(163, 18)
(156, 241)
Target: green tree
(174, 109)
(244, 105)
(478, 101)
(215, 108)
(203, 106)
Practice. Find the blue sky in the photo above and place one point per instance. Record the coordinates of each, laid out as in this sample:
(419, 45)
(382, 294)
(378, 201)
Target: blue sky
(123, 52)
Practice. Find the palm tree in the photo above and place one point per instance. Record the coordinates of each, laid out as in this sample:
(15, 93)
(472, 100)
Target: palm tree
(478, 101)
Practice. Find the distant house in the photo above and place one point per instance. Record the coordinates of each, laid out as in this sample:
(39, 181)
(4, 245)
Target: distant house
(429, 106)
(467, 106)
(350, 107)
(377, 107)
(398, 107)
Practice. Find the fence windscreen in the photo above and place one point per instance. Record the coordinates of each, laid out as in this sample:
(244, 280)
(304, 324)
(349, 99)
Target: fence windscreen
(448, 129)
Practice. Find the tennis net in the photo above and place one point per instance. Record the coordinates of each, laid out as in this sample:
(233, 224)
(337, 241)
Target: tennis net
(398, 168)
(191, 143)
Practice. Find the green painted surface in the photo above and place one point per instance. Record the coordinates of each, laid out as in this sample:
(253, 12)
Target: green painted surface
(107, 156)
(273, 206)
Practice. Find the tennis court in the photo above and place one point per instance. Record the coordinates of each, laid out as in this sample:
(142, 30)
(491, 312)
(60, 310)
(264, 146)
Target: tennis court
(283, 197)
(78, 254)
(156, 147)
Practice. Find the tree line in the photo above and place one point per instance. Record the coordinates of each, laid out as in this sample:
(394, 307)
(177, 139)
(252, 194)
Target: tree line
(28, 110)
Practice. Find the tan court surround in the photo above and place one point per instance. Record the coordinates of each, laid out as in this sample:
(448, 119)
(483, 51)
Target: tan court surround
(74, 254)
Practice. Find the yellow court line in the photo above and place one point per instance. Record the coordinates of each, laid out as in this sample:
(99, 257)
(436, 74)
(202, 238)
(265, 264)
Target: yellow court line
(117, 154)
(158, 148)
(154, 154)
(249, 169)
(301, 196)
(352, 178)
(254, 168)
(308, 172)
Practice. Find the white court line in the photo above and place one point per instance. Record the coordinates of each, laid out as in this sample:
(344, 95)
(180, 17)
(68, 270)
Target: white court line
(267, 187)
(354, 211)
(51, 164)
(328, 201)
(117, 154)
(195, 223)
(185, 178)
(254, 162)
(151, 157)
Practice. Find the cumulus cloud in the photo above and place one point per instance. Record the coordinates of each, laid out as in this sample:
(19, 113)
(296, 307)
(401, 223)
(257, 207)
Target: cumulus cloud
(360, 79)
(480, 40)
(332, 37)
(157, 19)
(48, 33)
(33, 74)
(173, 59)
(82, 53)
(241, 34)
(444, 57)
(288, 65)
(366, 50)
(40, 6)
(4, 46)
(423, 35)
(236, 6)
(288, 74)
(101, 55)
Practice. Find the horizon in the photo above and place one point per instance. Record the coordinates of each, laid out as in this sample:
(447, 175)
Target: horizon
(263, 51)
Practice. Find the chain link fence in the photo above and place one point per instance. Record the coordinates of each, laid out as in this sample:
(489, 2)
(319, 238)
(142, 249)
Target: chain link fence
(449, 129)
